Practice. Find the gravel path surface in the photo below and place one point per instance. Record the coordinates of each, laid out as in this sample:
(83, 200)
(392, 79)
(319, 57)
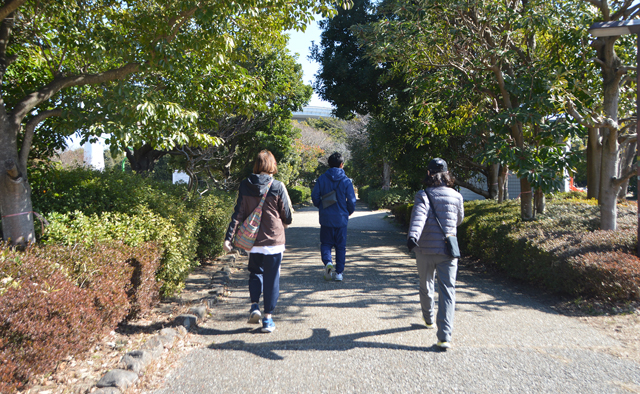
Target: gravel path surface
(366, 335)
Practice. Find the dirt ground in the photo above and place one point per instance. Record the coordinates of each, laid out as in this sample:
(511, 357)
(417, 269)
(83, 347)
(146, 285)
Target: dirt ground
(624, 328)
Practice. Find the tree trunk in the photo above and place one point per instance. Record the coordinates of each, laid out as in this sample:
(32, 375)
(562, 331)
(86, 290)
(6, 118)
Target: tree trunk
(143, 159)
(594, 161)
(540, 202)
(526, 200)
(626, 162)
(493, 181)
(503, 184)
(386, 175)
(608, 191)
(15, 192)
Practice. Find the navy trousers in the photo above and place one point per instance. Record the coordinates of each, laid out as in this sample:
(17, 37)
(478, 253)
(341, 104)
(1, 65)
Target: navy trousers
(264, 279)
(334, 237)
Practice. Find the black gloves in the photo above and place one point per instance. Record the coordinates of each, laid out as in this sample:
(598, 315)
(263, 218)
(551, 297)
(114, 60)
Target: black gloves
(411, 243)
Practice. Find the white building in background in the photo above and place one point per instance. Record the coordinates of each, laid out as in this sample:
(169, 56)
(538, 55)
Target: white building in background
(94, 155)
(312, 112)
(179, 176)
(513, 187)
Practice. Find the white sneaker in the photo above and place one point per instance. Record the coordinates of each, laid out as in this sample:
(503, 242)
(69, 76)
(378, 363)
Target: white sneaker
(338, 277)
(254, 314)
(327, 271)
(444, 344)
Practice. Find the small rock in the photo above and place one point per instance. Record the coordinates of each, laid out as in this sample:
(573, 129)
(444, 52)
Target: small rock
(216, 289)
(182, 332)
(199, 311)
(136, 360)
(153, 345)
(118, 378)
(187, 321)
(169, 332)
(83, 388)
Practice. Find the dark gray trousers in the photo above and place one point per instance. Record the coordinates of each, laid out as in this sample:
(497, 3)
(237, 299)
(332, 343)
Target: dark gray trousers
(447, 269)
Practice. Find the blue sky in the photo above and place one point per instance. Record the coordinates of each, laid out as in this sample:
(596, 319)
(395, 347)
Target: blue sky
(299, 43)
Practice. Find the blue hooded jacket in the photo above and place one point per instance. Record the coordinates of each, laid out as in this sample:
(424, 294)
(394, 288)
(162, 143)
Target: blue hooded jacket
(336, 215)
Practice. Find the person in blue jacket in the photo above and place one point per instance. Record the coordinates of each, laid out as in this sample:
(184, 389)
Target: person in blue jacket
(334, 196)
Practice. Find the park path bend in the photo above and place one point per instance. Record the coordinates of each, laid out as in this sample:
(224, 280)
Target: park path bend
(366, 335)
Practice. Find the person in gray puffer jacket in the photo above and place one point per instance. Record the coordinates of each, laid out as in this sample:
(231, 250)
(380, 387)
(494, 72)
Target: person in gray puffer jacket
(427, 240)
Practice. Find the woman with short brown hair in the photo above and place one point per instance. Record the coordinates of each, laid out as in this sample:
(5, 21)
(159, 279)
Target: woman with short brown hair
(265, 256)
(265, 162)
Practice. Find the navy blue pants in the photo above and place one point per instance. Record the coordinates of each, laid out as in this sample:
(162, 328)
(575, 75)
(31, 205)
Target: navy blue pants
(333, 237)
(264, 279)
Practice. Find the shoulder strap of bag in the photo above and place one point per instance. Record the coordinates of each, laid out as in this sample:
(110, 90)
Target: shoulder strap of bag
(434, 211)
(264, 196)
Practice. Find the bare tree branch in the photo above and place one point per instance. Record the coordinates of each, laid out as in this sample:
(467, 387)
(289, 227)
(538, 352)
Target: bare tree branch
(595, 60)
(33, 99)
(475, 189)
(626, 176)
(181, 19)
(29, 132)
(9, 7)
(6, 28)
(627, 139)
(608, 123)
(624, 69)
(624, 11)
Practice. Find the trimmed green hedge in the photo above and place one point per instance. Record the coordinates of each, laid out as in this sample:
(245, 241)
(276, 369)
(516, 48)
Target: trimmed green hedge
(562, 250)
(214, 210)
(386, 199)
(299, 194)
(178, 252)
(85, 206)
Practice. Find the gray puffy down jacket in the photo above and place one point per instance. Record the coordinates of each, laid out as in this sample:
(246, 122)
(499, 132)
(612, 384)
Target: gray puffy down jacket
(423, 226)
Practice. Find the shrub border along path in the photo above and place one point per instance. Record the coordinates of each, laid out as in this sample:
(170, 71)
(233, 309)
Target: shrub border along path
(137, 356)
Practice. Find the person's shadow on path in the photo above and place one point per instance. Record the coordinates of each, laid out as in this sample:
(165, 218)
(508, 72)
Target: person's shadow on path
(320, 339)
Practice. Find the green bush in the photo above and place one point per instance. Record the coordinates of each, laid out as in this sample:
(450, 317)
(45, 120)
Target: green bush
(91, 192)
(381, 199)
(299, 194)
(85, 206)
(402, 214)
(145, 226)
(363, 193)
(562, 250)
(215, 212)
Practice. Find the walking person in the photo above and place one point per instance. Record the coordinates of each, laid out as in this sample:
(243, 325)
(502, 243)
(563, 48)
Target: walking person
(265, 256)
(334, 196)
(426, 238)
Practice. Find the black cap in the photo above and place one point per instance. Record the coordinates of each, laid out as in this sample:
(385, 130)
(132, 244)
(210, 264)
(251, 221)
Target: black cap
(437, 165)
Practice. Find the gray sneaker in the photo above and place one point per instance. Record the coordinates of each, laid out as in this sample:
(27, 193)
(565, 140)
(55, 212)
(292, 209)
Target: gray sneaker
(328, 271)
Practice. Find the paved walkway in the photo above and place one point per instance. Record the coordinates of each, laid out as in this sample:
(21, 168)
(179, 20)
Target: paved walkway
(365, 334)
